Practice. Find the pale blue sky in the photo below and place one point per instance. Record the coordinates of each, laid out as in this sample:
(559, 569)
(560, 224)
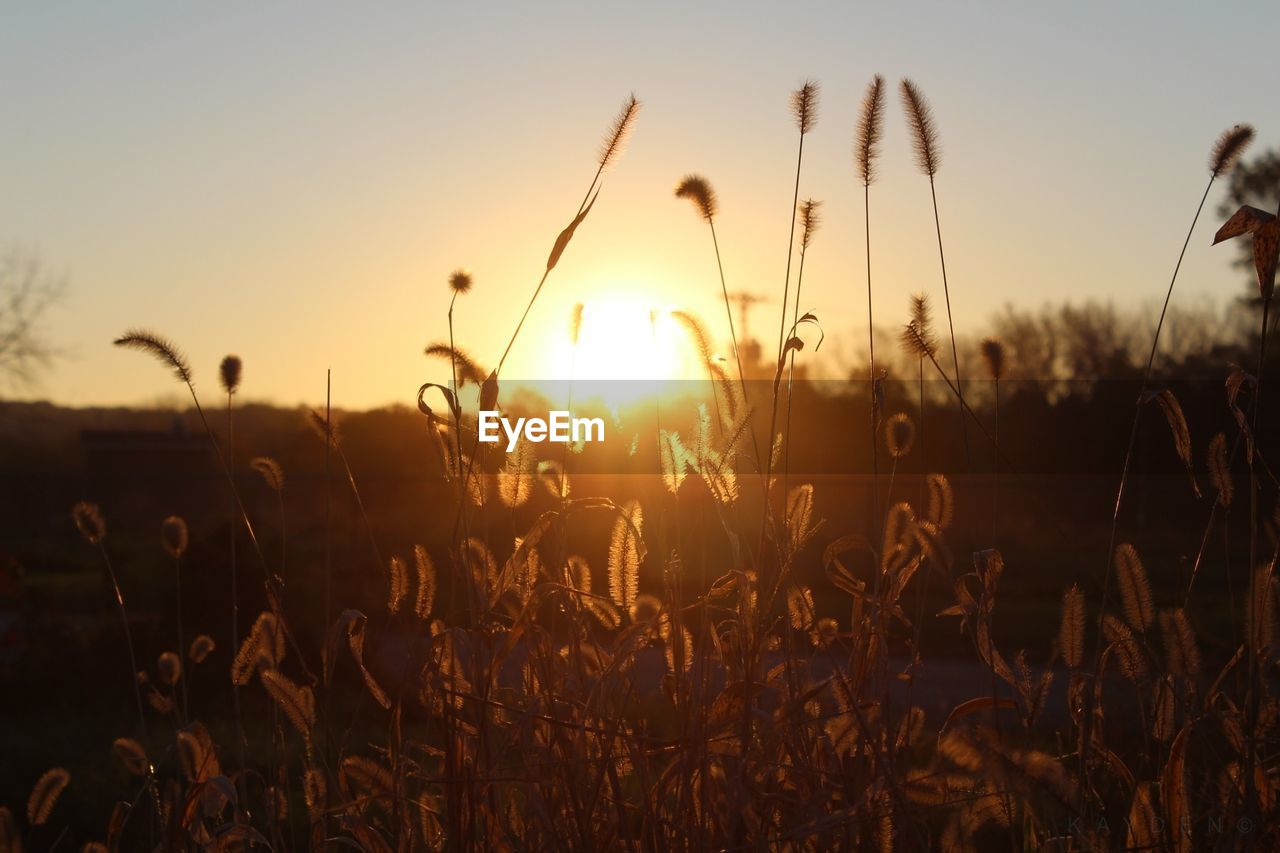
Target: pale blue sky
(294, 182)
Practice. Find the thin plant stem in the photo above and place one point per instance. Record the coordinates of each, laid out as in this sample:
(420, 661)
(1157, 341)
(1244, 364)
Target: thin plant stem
(871, 346)
(782, 326)
(1257, 410)
(235, 594)
(520, 325)
(767, 519)
(328, 497)
(791, 242)
(328, 529)
(946, 292)
(888, 493)
(733, 336)
(128, 636)
(791, 366)
(995, 474)
(284, 552)
(1087, 719)
(460, 522)
(561, 497)
(182, 642)
(364, 515)
(456, 408)
(231, 480)
(542, 281)
(1253, 698)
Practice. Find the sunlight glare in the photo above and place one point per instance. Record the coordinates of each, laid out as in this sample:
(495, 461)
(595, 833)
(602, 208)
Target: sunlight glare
(625, 350)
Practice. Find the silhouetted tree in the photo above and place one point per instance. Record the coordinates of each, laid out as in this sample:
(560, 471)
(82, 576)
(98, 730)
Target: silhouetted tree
(27, 291)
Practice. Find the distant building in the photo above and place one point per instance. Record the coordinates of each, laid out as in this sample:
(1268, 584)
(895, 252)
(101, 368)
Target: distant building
(168, 469)
(133, 452)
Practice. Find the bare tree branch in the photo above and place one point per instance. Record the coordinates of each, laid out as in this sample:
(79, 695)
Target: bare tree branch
(27, 291)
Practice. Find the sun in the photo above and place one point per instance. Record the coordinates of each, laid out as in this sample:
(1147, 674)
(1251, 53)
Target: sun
(625, 341)
(623, 350)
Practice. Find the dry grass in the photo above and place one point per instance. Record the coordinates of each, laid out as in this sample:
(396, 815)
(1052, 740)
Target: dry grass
(552, 704)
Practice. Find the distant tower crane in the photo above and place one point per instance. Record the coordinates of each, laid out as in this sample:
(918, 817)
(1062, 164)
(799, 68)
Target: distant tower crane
(744, 302)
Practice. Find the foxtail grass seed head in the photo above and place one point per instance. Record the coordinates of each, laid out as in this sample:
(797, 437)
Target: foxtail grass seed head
(799, 515)
(174, 536)
(270, 471)
(88, 519)
(297, 702)
(918, 342)
(131, 754)
(645, 608)
(810, 219)
(325, 427)
(160, 348)
(921, 312)
(201, 647)
(899, 435)
(313, 792)
(1126, 652)
(941, 500)
(624, 556)
(917, 336)
(993, 355)
(575, 323)
(229, 373)
(1180, 644)
(45, 794)
(197, 756)
(804, 106)
(576, 573)
(1135, 590)
(459, 360)
(397, 584)
(616, 139)
(697, 333)
(866, 147)
(426, 576)
(1230, 145)
(924, 133)
(170, 668)
(460, 281)
(800, 608)
(698, 190)
(553, 476)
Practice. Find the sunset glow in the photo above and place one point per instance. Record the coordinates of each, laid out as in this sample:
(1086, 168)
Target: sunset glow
(581, 427)
(626, 349)
(293, 187)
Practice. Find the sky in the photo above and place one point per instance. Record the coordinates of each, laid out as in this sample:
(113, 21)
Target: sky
(294, 182)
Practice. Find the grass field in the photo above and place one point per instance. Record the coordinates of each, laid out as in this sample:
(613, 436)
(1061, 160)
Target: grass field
(718, 638)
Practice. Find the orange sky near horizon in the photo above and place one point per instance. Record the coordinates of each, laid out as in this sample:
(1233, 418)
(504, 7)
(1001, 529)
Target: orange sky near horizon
(295, 184)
